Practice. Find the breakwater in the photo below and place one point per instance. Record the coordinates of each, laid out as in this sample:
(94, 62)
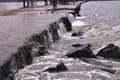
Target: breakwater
(35, 46)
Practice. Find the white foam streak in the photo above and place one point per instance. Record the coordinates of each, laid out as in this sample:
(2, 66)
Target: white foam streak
(67, 36)
(78, 23)
(103, 31)
(102, 73)
(81, 17)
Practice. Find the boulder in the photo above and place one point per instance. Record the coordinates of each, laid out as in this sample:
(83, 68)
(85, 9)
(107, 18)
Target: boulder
(67, 23)
(78, 34)
(77, 9)
(110, 51)
(59, 68)
(82, 51)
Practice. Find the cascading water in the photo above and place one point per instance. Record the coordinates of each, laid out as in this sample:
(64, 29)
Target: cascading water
(55, 42)
(77, 69)
(37, 45)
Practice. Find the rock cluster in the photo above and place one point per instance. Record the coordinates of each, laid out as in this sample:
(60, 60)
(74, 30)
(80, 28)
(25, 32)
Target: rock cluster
(81, 51)
(109, 51)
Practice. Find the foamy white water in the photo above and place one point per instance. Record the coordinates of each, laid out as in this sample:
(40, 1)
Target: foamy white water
(78, 23)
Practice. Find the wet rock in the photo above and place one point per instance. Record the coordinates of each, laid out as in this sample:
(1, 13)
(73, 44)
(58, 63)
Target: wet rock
(42, 37)
(41, 13)
(38, 38)
(77, 9)
(47, 38)
(67, 23)
(8, 69)
(79, 45)
(78, 34)
(60, 67)
(23, 55)
(76, 45)
(82, 51)
(4, 71)
(110, 51)
(73, 13)
(40, 51)
(53, 29)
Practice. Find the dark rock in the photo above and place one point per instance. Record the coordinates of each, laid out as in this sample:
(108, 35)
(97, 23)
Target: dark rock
(41, 50)
(88, 45)
(43, 37)
(60, 67)
(47, 41)
(4, 71)
(82, 51)
(41, 13)
(24, 53)
(53, 29)
(38, 38)
(8, 70)
(77, 9)
(76, 45)
(79, 45)
(78, 34)
(73, 13)
(110, 51)
(67, 23)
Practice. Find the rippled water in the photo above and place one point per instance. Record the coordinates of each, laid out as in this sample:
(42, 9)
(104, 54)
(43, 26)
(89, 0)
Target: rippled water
(10, 5)
(15, 5)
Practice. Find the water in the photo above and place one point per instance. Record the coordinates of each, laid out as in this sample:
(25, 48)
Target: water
(10, 5)
(16, 5)
(105, 12)
(77, 69)
(100, 27)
